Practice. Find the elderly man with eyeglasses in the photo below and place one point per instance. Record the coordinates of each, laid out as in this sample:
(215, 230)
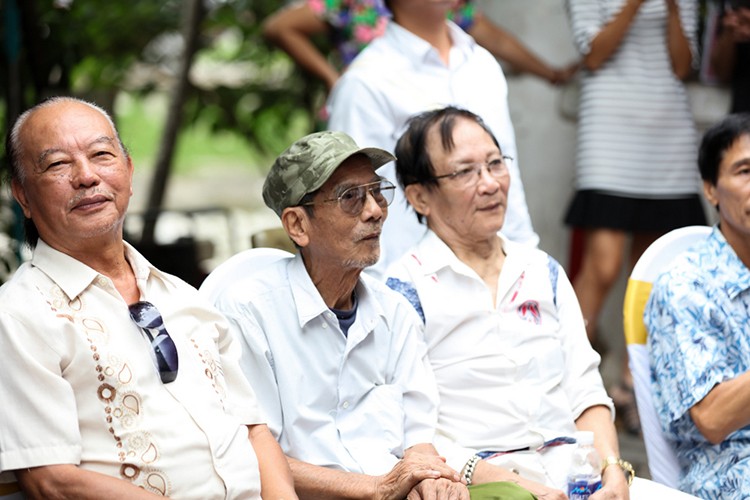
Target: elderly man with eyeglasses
(117, 380)
(504, 332)
(337, 357)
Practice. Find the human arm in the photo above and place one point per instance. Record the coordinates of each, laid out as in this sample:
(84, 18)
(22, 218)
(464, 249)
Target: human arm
(677, 42)
(291, 28)
(735, 28)
(598, 419)
(611, 35)
(69, 481)
(314, 482)
(275, 475)
(725, 409)
(507, 47)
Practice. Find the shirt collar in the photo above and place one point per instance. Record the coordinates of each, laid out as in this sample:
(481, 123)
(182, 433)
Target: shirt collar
(736, 274)
(435, 254)
(310, 304)
(418, 49)
(73, 276)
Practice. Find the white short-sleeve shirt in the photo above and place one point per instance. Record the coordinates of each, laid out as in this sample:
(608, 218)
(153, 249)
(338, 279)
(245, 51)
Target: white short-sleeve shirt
(78, 384)
(352, 402)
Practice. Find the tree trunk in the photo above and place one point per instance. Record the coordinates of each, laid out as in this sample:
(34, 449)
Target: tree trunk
(193, 17)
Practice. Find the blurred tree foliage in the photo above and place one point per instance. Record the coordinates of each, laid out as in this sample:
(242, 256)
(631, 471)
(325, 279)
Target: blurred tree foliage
(96, 49)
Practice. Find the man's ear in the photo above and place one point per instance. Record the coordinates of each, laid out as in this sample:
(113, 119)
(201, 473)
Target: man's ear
(417, 194)
(296, 222)
(19, 193)
(709, 191)
(131, 169)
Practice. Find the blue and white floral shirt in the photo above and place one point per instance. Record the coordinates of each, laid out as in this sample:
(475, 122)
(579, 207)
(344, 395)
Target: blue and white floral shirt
(698, 317)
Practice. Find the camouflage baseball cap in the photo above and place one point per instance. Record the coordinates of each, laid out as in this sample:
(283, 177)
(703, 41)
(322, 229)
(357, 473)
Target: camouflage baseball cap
(308, 163)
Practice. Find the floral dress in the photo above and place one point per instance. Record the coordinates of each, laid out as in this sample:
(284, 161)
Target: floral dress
(356, 23)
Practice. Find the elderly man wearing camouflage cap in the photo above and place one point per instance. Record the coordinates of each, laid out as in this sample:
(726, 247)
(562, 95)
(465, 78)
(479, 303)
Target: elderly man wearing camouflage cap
(336, 358)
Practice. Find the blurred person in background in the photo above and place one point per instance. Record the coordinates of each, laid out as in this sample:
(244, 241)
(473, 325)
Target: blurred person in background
(352, 24)
(636, 146)
(730, 54)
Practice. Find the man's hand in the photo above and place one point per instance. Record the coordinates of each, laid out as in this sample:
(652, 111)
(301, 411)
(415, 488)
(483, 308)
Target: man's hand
(614, 485)
(412, 470)
(439, 489)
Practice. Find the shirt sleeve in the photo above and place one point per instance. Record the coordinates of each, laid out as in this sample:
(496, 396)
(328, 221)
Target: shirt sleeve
(37, 429)
(399, 280)
(413, 373)
(241, 398)
(582, 380)
(256, 361)
(687, 347)
(585, 22)
(358, 109)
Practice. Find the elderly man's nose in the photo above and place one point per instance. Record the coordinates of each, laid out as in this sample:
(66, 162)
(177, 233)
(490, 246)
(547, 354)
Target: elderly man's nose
(84, 173)
(372, 208)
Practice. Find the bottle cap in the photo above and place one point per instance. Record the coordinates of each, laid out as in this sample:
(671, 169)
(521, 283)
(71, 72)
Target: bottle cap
(584, 437)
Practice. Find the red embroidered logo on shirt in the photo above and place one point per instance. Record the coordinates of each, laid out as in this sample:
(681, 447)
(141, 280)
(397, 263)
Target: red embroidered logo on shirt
(529, 311)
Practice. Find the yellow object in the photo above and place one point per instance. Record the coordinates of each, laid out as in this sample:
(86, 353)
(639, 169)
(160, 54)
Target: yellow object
(636, 296)
(626, 467)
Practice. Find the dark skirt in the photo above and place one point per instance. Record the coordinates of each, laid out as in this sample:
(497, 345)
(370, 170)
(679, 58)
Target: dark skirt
(597, 210)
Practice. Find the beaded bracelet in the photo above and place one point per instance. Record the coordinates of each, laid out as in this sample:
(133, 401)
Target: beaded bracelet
(468, 472)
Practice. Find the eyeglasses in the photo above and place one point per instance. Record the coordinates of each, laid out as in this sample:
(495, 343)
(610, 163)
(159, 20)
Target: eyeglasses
(147, 316)
(352, 200)
(469, 174)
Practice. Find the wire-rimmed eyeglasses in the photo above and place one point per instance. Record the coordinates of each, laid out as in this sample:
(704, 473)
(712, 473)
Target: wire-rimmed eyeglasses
(467, 175)
(352, 200)
(148, 317)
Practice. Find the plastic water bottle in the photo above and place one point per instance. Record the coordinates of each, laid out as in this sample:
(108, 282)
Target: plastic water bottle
(585, 473)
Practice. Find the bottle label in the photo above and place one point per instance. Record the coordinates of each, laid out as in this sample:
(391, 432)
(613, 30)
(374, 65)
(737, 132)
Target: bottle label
(582, 490)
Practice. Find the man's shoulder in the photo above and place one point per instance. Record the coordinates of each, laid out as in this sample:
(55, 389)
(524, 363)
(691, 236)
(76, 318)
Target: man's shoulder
(696, 264)
(381, 56)
(17, 287)
(18, 290)
(271, 279)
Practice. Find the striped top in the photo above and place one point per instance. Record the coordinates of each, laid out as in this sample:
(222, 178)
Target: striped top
(636, 135)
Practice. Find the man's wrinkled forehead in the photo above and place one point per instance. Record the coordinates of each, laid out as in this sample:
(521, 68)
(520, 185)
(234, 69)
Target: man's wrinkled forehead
(48, 127)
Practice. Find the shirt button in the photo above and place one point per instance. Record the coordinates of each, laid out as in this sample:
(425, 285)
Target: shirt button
(324, 325)
(345, 405)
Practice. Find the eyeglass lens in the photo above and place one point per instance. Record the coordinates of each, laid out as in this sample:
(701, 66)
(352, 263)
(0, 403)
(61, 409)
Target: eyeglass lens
(353, 199)
(471, 173)
(147, 316)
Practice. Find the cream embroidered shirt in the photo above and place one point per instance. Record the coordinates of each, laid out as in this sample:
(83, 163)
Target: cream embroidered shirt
(78, 384)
